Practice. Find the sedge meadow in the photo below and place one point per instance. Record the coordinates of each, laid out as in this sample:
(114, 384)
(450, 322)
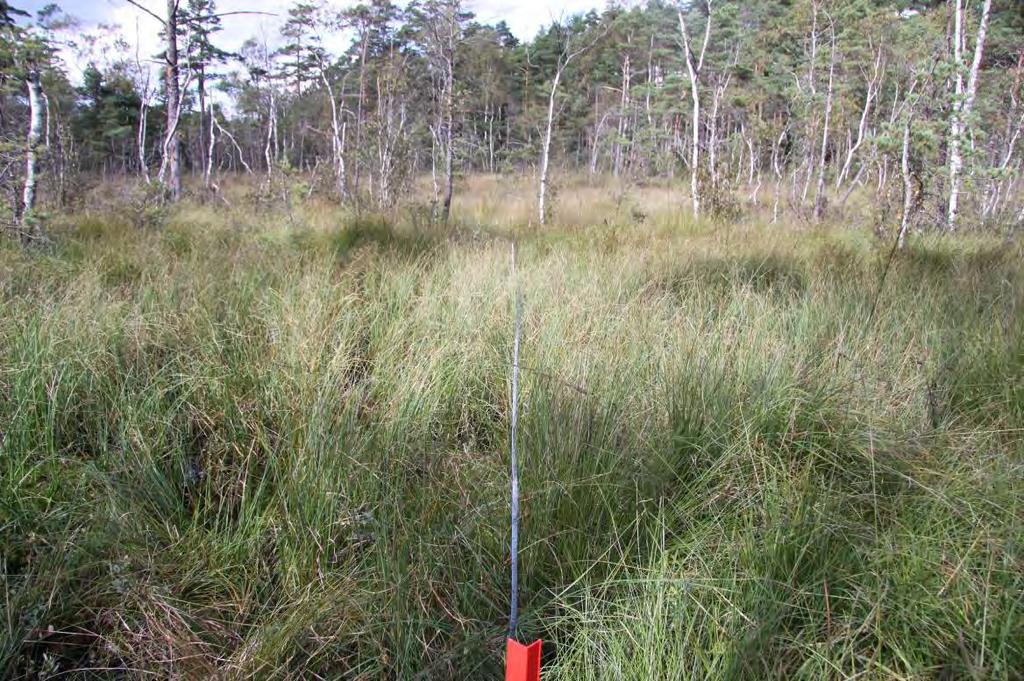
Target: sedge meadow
(377, 340)
(274, 443)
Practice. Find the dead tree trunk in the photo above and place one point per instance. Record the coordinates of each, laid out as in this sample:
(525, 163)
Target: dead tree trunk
(812, 89)
(140, 140)
(364, 46)
(777, 171)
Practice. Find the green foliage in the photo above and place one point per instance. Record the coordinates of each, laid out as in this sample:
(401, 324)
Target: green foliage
(108, 115)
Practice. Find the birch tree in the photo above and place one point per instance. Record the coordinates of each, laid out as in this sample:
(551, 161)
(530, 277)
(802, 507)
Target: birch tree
(873, 86)
(573, 47)
(963, 102)
(819, 194)
(694, 65)
(441, 31)
(339, 128)
(908, 188)
(29, 53)
(767, 100)
(170, 163)
(32, 142)
(203, 22)
(142, 82)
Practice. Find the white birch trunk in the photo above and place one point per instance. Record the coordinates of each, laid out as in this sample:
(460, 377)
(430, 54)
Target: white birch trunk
(337, 138)
(623, 122)
(694, 72)
(819, 194)
(234, 142)
(872, 91)
(271, 132)
(568, 54)
(962, 110)
(140, 139)
(170, 170)
(719, 93)
(35, 131)
(777, 171)
(449, 123)
(208, 171)
(545, 154)
(908, 188)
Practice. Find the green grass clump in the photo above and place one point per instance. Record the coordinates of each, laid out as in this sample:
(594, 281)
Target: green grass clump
(234, 449)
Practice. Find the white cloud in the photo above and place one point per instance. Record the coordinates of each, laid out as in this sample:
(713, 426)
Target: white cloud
(526, 17)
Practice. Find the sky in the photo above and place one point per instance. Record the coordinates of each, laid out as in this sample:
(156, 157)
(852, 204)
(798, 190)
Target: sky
(524, 17)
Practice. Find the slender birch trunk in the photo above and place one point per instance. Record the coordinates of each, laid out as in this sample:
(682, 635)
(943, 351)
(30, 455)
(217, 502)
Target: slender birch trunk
(545, 154)
(716, 101)
(622, 122)
(46, 109)
(962, 110)
(365, 41)
(234, 142)
(872, 92)
(449, 123)
(270, 149)
(490, 137)
(171, 166)
(568, 54)
(201, 90)
(819, 195)
(32, 142)
(337, 138)
(208, 171)
(595, 144)
(777, 171)
(694, 72)
(140, 139)
(908, 189)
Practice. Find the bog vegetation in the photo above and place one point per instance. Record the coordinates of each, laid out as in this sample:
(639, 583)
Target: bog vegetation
(256, 318)
(276, 444)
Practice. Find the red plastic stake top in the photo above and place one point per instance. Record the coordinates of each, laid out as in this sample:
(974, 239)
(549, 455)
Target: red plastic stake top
(522, 663)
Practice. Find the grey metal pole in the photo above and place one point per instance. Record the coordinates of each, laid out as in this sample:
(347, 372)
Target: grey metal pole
(513, 617)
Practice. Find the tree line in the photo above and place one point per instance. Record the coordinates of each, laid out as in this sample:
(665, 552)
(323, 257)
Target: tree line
(792, 105)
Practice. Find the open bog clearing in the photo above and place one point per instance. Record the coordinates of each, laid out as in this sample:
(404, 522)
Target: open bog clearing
(258, 442)
(570, 340)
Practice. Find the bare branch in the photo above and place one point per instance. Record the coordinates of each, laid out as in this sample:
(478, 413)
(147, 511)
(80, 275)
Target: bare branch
(241, 156)
(148, 11)
(228, 14)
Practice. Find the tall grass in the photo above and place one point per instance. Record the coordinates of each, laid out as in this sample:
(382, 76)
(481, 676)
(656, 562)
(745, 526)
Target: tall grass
(231, 448)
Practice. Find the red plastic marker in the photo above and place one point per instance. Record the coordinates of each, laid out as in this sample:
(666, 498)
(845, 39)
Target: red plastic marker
(522, 663)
